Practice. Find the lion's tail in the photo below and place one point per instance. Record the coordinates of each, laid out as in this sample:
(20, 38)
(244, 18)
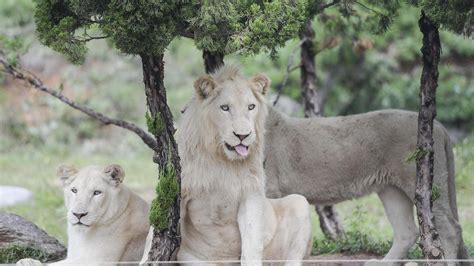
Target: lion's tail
(448, 148)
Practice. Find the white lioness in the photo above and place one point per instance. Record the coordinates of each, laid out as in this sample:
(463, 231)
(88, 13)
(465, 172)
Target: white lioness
(106, 221)
(224, 212)
(329, 160)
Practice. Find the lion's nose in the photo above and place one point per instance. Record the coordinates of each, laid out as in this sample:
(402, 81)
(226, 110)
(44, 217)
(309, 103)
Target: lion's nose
(240, 136)
(79, 215)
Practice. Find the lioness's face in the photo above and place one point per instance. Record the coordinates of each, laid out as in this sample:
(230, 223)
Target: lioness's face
(233, 107)
(89, 193)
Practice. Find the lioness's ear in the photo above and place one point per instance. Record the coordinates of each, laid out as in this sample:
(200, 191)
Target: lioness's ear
(65, 172)
(204, 85)
(114, 173)
(262, 82)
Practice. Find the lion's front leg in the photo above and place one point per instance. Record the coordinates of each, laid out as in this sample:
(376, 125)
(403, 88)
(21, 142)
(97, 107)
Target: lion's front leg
(250, 220)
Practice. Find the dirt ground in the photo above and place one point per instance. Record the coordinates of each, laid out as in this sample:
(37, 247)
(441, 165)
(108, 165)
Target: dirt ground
(341, 259)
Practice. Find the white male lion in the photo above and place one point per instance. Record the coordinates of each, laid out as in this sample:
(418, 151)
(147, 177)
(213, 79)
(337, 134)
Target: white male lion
(106, 221)
(224, 212)
(329, 160)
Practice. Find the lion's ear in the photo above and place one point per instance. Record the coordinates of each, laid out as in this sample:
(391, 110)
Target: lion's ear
(204, 85)
(262, 82)
(114, 173)
(65, 172)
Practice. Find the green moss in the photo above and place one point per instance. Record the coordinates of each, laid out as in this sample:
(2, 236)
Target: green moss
(417, 154)
(358, 238)
(435, 192)
(14, 253)
(167, 191)
(155, 124)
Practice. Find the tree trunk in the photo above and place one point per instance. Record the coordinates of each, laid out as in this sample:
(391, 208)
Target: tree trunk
(430, 242)
(328, 218)
(312, 106)
(212, 60)
(165, 242)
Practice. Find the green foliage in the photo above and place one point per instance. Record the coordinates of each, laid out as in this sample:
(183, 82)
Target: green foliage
(378, 15)
(351, 243)
(149, 27)
(155, 124)
(14, 18)
(145, 28)
(14, 253)
(15, 15)
(56, 26)
(166, 192)
(454, 15)
(246, 27)
(464, 153)
(358, 238)
(11, 48)
(435, 192)
(416, 155)
(387, 74)
(270, 25)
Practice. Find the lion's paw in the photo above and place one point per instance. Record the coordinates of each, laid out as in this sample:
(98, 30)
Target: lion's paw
(28, 262)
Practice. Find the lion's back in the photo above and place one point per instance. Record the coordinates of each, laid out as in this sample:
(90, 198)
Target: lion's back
(338, 158)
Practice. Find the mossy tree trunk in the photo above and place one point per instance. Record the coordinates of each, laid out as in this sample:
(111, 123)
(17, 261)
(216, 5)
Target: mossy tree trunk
(328, 218)
(430, 242)
(166, 236)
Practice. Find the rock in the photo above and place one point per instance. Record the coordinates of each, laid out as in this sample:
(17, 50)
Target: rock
(20, 238)
(13, 195)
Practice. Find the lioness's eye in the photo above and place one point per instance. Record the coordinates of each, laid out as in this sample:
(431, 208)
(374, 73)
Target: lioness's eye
(251, 106)
(225, 108)
(74, 190)
(97, 192)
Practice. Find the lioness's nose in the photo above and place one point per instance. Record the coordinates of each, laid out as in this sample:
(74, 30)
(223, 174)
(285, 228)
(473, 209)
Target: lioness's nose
(79, 215)
(240, 136)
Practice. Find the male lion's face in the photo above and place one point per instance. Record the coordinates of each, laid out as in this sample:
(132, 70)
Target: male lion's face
(233, 108)
(89, 193)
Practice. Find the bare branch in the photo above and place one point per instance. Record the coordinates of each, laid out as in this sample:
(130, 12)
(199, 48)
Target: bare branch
(36, 83)
(328, 5)
(370, 9)
(90, 38)
(289, 69)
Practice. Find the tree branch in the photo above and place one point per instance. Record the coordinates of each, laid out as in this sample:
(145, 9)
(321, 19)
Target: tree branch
(90, 38)
(36, 83)
(328, 5)
(370, 9)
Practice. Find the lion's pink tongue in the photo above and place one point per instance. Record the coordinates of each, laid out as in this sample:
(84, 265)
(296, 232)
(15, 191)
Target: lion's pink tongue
(242, 150)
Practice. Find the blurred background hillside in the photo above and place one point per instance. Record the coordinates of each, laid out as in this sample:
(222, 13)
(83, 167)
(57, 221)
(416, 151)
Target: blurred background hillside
(359, 71)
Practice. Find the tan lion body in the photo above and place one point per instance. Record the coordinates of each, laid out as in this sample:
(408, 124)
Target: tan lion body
(329, 160)
(111, 226)
(224, 212)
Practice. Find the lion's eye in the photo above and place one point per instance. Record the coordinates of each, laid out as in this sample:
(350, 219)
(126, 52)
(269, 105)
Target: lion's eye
(74, 190)
(251, 106)
(97, 192)
(225, 108)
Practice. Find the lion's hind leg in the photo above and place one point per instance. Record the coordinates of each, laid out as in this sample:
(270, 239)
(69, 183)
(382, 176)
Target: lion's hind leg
(448, 227)
(293, 230)
(399, 210)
